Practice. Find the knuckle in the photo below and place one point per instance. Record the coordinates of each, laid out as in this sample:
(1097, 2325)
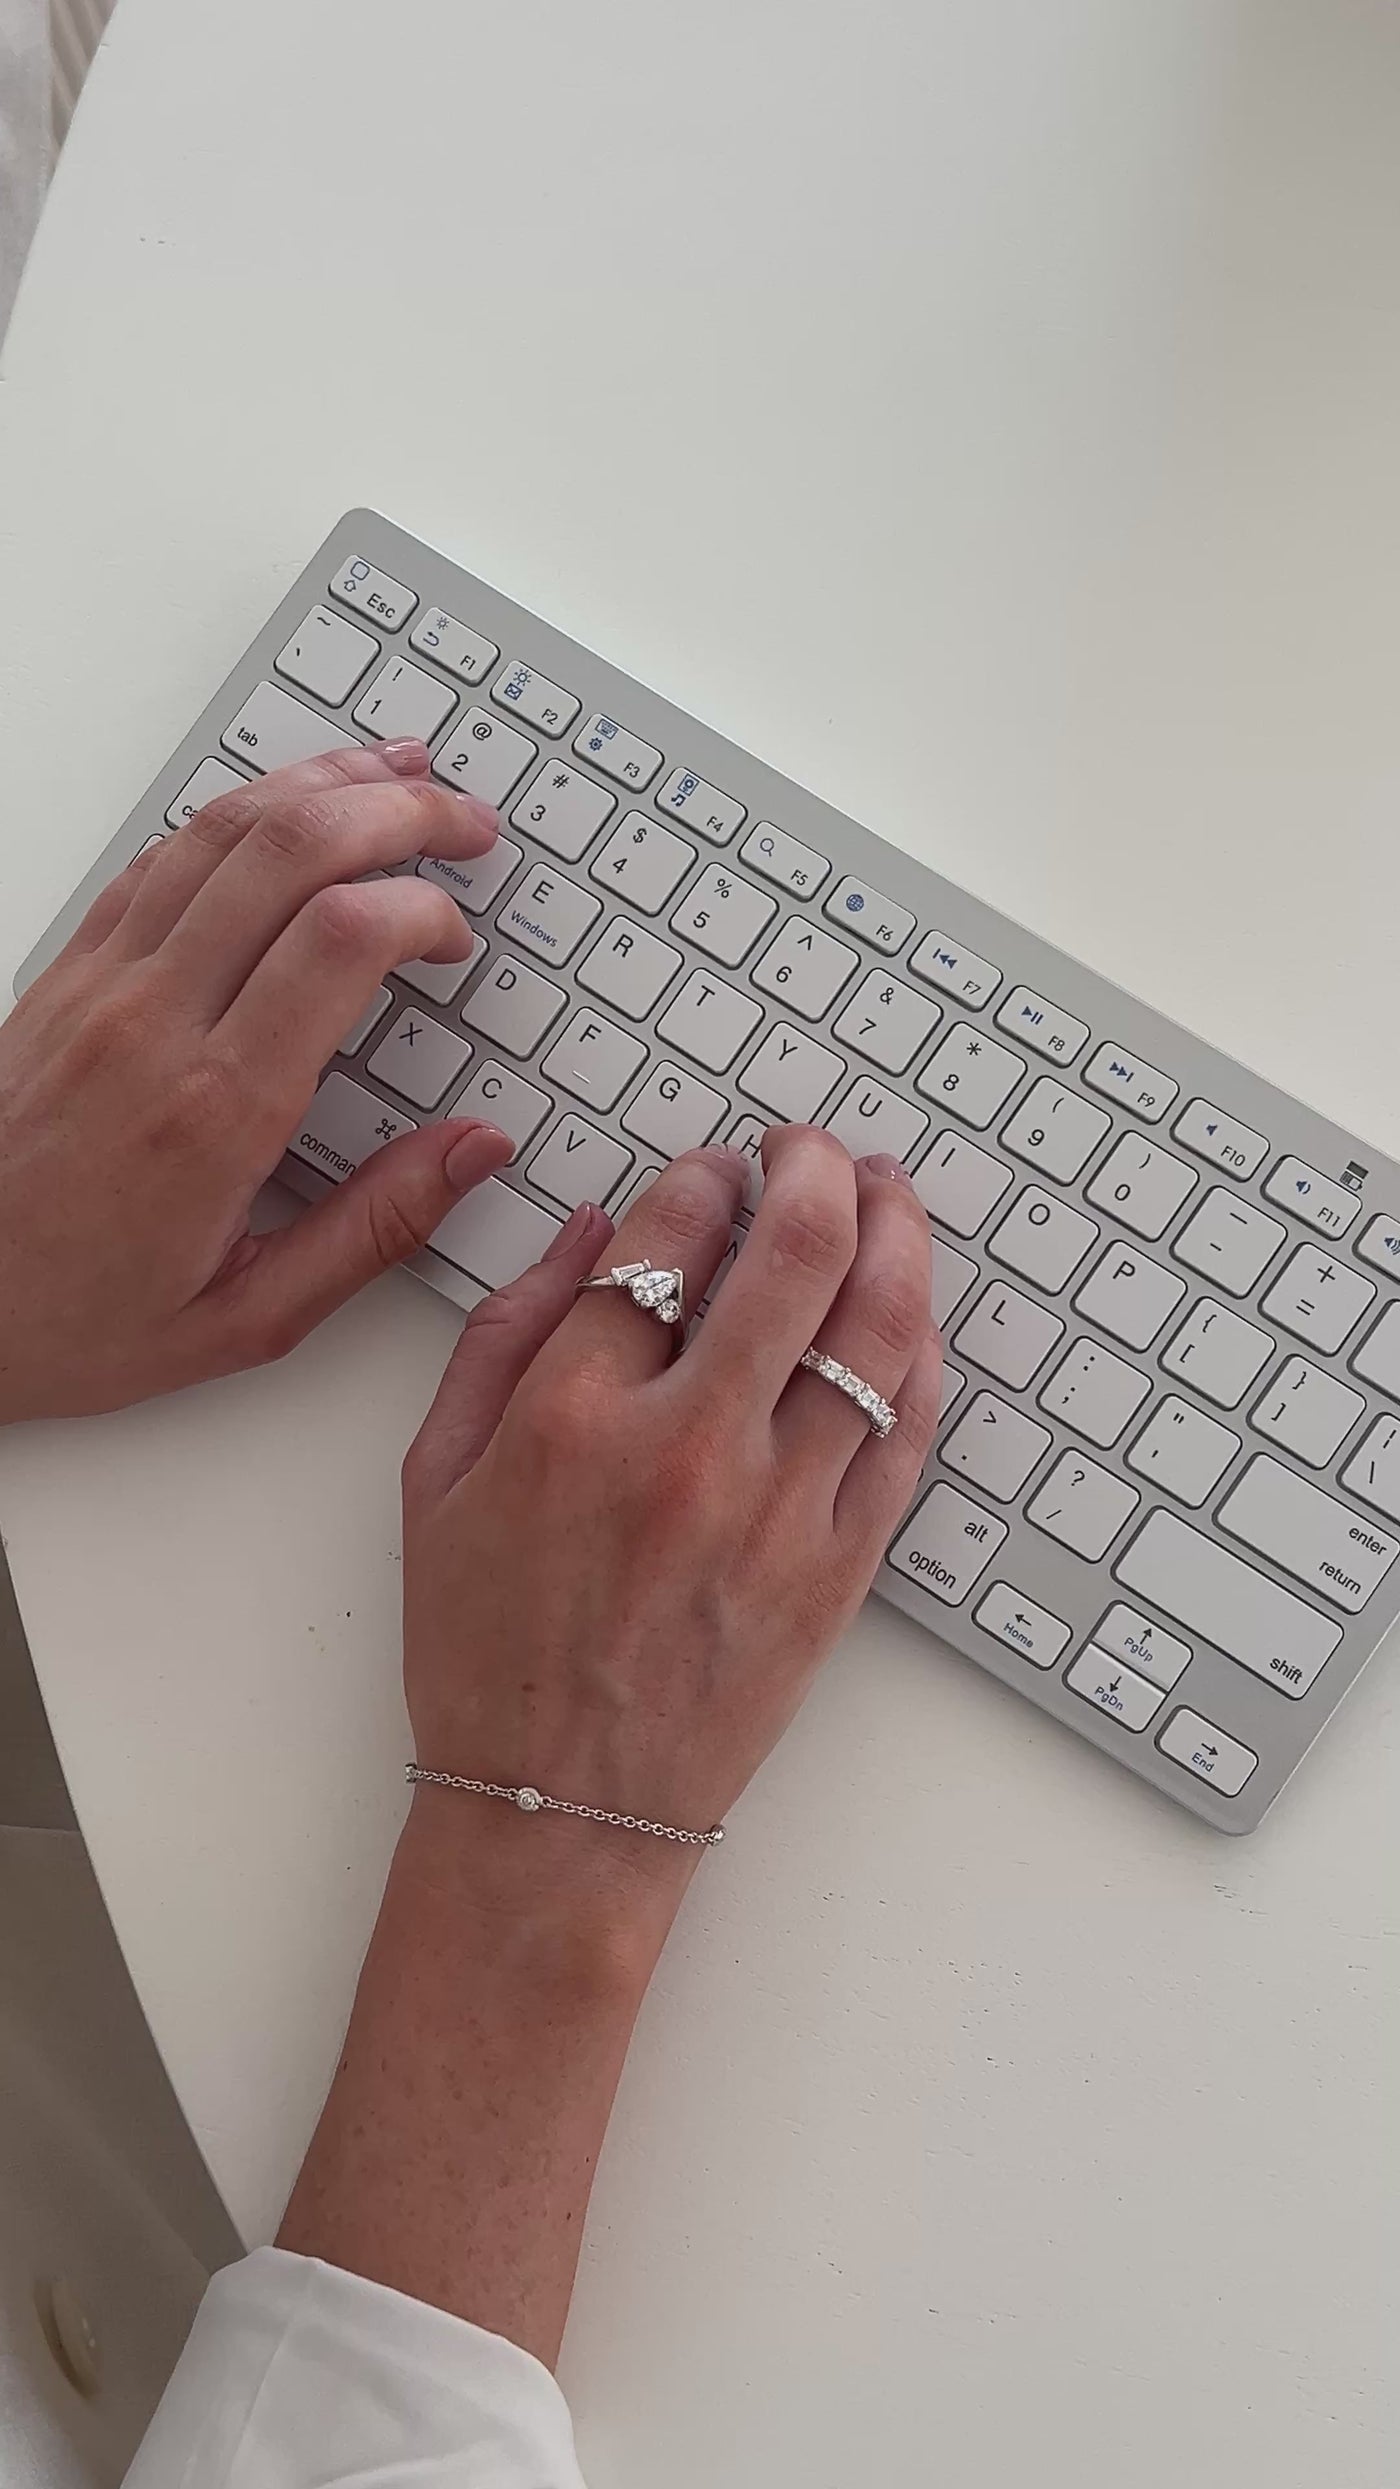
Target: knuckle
(815, 1233)
(338, 922)
(397, 1228)
(222, 823)
(295, 833)
(893, 1304)
(688, 1205)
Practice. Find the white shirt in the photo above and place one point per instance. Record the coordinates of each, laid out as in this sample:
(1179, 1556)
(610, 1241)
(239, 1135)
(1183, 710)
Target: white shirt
(298, 2376)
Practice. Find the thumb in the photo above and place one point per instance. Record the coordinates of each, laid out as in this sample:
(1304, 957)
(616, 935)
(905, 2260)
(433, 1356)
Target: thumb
(380, 1215)
(503, 1336)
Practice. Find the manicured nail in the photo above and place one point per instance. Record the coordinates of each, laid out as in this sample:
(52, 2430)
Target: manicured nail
(894, 1168)
(462, 1165)
(726, 1157)
(406, 755)
(572, 1232)
(483, 817)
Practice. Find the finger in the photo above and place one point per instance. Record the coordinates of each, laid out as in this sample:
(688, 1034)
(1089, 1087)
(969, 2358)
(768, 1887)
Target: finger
(877, 1323)
(880, 1484)
(800, 1247)
(502, 1339)
(683, 1222)
(320, 975)
(184, 862)
(109, 907)
(287, 1282)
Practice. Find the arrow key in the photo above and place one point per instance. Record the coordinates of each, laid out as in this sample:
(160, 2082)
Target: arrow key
(1200, 1747)
(1021, 1625)
(1098, 1678)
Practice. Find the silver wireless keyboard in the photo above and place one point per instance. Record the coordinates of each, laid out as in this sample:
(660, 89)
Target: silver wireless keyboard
(1166, 1490)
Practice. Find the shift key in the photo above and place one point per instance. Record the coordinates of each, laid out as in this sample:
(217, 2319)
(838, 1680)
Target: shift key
(1308, 1534)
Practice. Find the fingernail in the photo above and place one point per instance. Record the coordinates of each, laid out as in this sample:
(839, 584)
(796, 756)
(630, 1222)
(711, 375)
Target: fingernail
(484, 817)
(462, 1165)
(572, 1232)
(884, 1165)
(726, 1157)
(406, 755)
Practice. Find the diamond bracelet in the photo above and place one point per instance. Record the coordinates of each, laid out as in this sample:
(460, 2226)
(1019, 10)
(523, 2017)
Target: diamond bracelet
(534, 1802)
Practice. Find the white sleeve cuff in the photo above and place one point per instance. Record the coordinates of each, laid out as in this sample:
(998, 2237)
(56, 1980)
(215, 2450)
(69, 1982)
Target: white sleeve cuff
(299, 2376)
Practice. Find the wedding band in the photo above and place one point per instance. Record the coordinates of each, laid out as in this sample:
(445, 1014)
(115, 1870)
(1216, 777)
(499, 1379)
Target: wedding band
(660, 1293)
(876, 1410)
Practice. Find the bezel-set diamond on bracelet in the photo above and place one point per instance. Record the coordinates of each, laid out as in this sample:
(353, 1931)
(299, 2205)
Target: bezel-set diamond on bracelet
(532, 1801)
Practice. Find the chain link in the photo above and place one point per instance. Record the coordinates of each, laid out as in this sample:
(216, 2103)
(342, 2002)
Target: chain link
(532, 1801)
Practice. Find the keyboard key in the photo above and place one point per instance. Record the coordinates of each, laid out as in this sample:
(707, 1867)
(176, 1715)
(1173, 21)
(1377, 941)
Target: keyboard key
(888, 1022)
(1008, 1336)
(620, 756)
(1373, 1472)
(1129, 1297)
(972, 981)
(369, 1019)
(594, 1061)
(1308, 1412)
(533, 697)
(1218, 1353)
(995, 1446)
(1041, 1025)
(1154, 1652)
(953, 1275)
(947, 1545)
(629, 968)
(387, 602)
(958, 1184)
(1200, 1747)
(513, 1006)
(1311, 1197)
(1317, 1299)
(791, 1074)
(504, 1099)
(1141, 1186)
(876, 920)
(1380, 1245)
(211, 778)
(453, 646)
(440, 979)
(784, 860)
(709, 1020)
(805, 968)
(1183, 1451)
(702, 807)
(1221, 1599)
(1377, 1359)
(871, 1119)
(747, 1137)
(1083, 1506)
(1030, 1630)
(272, 730)
(474, 884)
(343, 1126)
(578, 1163)
(1201, 1128)
(1230, 1241)
(1056, 1131)
(1098, 1678)
(494, 1234)
(327, 655)
(1043, 1239)
(548, 914)
(419, 1058)
(1094, 1392)
(1137, 1085)
(563, 810)
(970, 1075)
(675, 1111)
(1308, 1534)
(950, 1388)
(403, 700)
(484, 757)
(643, 862)
(723, 915)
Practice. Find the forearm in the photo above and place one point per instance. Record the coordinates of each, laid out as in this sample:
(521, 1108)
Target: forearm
(456, 2151)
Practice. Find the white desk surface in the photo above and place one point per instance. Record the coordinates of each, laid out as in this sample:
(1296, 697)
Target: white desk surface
(987, 409)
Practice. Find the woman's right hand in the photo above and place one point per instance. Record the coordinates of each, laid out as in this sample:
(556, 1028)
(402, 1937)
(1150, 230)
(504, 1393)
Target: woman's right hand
(621, 1573)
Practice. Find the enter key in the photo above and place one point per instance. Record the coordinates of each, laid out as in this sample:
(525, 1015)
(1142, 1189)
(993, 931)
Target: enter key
(1308, 1534)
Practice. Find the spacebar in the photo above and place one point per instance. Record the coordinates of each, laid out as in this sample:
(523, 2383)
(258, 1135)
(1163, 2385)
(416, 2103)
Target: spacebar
(494, 1234)
(1223, 1599)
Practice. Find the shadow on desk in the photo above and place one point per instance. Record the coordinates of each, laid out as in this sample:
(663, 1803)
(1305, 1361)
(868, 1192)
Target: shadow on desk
(109, 2222)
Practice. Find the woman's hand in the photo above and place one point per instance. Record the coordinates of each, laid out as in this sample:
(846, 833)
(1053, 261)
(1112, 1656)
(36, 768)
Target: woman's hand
(152, 1077)
(622, 1572)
